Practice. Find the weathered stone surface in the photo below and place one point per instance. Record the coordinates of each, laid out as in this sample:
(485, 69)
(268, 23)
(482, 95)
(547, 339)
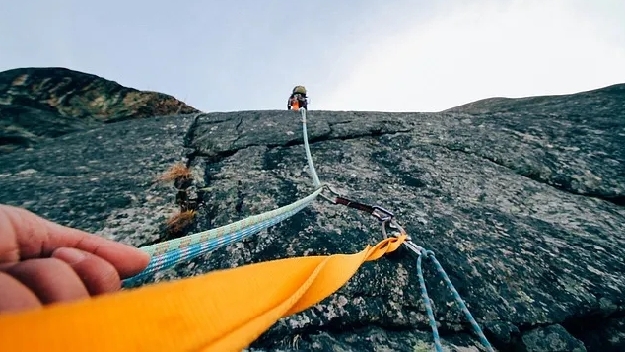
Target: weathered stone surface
(103, 180)
(42, 103)
(551, 338)
(574, 145)
(487, 193)
(602, 101)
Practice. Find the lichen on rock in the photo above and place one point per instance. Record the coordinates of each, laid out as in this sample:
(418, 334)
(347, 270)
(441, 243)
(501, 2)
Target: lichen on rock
(38, 104)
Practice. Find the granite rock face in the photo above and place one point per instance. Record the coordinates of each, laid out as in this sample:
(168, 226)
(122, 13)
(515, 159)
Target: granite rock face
(37, 104)
(523, 207)
(555, 131)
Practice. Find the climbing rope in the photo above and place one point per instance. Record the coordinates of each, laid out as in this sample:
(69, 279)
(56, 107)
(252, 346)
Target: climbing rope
(170, 253)
(421, 252)
(313, 173)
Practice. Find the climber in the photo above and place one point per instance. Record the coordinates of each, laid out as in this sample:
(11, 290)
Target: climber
(298, 99)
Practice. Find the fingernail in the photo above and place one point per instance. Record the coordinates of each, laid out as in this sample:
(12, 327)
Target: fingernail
(69, 255)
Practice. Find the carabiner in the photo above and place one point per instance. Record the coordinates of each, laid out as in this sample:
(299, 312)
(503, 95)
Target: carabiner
(326, 186)
(381, 213)
(376, 211)
(408, 242)
(395, 226)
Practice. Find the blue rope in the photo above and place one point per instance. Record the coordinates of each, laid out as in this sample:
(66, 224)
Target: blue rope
(457, 298)
(179, 255)
(428, 306)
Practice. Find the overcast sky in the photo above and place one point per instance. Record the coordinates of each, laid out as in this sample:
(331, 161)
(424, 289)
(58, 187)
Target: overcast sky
(388, 55)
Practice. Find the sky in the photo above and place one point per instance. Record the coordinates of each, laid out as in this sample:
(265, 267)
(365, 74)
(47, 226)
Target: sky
(375, 55)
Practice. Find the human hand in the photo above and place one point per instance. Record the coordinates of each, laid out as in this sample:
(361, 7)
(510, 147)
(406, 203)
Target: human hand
(42, 262)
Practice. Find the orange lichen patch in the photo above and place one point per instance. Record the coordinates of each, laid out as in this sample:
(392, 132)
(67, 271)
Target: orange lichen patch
(177, 222)
(177, 170)
(41, 85)
(155, 104)
(136, 98)
(20, 80)
(53, 101)
(98, 102)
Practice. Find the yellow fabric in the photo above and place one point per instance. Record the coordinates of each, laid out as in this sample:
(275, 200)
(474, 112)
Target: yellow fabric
(224, 310)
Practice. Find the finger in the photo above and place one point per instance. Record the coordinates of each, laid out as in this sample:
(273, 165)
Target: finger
(24, 235)
(98, 275)
(9, 247)
(38, 237)
(127, 260)
(50, 279)
(15, 296)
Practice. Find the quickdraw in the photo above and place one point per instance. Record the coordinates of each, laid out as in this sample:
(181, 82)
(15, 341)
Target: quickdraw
(386, 217)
